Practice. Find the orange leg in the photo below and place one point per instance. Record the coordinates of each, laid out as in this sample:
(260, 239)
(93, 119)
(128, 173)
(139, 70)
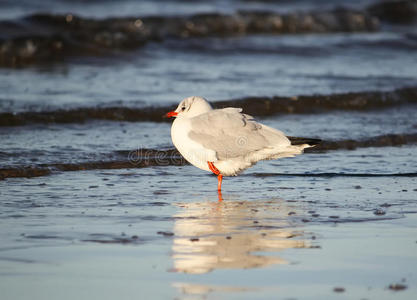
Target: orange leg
(219, 176)
(219, 182)
(219, 193)
(213, 168)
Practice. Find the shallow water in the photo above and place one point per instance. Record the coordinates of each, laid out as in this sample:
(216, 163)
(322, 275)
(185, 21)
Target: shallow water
(151, 232)
(112, 211)
(219, 69)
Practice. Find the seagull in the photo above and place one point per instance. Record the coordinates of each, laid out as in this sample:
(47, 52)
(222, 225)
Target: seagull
(226, 141)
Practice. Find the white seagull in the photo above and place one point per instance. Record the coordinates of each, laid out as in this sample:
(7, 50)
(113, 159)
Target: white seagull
(226, 141)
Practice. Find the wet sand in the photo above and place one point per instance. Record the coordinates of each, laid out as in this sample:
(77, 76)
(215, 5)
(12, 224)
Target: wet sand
(153, 233)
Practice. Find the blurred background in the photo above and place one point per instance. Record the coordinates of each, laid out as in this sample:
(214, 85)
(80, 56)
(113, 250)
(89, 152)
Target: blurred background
(62, 53)
(64, 64)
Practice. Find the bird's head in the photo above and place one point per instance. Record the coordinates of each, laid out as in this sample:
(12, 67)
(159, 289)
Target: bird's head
(190, 107)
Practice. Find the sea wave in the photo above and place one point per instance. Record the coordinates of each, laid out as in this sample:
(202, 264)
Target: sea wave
(46, 37)
(50, 37)
(257, 106)
(142, 158)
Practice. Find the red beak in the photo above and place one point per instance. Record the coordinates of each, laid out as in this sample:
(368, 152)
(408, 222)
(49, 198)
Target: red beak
(171, 114)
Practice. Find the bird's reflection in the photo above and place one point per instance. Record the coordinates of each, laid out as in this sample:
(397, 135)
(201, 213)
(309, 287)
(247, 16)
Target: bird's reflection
(204, 290)
(233, 235)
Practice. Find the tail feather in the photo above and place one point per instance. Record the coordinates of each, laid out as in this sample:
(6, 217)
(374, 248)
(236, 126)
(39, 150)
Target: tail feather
(300, 141)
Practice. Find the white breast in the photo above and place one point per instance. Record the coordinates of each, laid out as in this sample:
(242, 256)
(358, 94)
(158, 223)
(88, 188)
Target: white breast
(192, 151)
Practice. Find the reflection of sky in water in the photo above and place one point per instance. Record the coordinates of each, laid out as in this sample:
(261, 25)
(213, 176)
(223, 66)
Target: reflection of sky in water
(232, 235)
(362, 250)
(203, 290)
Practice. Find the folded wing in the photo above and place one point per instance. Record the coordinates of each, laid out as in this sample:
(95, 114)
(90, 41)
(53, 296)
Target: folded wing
(232, 134)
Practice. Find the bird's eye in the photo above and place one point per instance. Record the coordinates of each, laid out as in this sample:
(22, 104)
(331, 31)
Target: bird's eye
(183, 108)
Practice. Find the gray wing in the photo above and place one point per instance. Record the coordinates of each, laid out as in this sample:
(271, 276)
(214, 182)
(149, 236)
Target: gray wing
(232, 134)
